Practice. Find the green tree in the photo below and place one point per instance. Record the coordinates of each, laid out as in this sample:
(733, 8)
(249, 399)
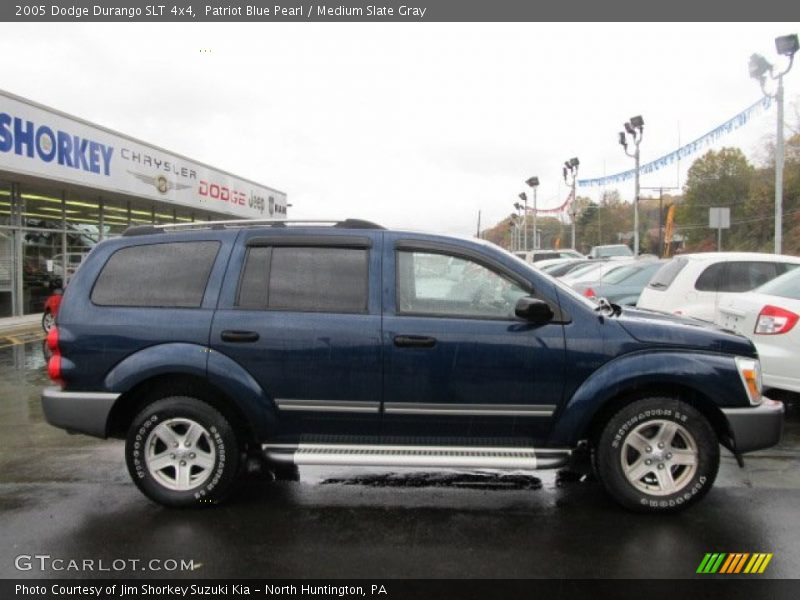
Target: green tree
(718, 179)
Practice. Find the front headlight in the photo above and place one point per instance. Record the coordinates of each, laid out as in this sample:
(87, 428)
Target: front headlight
(750, 372)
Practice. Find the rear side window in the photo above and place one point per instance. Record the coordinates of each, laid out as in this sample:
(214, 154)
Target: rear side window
(172, 275)
(314, 279)
(745, 276)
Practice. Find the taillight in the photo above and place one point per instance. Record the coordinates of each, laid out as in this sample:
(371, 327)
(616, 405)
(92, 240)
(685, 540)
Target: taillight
(52, 339)
(54, 364)
(589, 293)
(773, 320)
(54, 368)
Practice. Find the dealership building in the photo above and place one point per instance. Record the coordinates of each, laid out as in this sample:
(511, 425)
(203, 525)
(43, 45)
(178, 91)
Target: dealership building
(66, 184)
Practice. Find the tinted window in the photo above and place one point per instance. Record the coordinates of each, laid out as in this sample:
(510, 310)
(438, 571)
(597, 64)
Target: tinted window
(305, 279)
(165, 275)
(710, 280)
(744, 276)
(545, 256)
(667, 274)
(439, 284)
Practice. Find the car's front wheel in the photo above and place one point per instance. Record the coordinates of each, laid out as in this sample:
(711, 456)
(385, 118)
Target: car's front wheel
(657, 455)
(181, 451)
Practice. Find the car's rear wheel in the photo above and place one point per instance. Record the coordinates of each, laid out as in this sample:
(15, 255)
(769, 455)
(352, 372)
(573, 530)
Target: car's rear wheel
(182, 452)
(48, 321)
(657, 455)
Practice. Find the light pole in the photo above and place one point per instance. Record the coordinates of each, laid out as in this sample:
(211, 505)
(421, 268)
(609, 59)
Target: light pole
(524, 197)
(634, 128)
(570, 171)
(533, 182)
(518, 238)
(786, 45)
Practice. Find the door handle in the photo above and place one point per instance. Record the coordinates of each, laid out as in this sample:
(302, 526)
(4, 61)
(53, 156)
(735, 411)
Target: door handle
(414, 341)
(239, 336)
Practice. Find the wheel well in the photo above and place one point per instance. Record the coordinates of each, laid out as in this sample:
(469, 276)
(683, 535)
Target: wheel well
(699, 401)
(131, 403)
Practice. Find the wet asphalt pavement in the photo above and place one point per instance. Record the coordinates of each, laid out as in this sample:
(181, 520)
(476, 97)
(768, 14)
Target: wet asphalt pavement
(70, 497)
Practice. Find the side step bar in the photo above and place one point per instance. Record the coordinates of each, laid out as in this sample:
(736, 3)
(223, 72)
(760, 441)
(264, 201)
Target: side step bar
(417, 456)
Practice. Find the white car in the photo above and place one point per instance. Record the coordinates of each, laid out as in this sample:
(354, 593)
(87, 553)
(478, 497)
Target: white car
(694, 285)
(768, 316)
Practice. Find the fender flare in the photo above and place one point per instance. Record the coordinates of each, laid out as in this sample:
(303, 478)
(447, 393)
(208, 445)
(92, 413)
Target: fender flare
(713, 376)
(230, 378)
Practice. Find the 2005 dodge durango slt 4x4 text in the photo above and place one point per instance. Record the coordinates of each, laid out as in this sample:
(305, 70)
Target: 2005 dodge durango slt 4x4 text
(345, 343)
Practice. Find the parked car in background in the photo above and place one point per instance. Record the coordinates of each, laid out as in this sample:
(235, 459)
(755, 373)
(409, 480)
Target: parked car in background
(610, 251)
(622, 286)
(594, 270)
(768, 316)
(694, 284)
(535, 256)
(563, 266)
(51, 306)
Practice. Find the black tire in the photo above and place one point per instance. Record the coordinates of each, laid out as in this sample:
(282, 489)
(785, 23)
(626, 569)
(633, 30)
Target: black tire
(668, 483)
(284, 471)
(201, 471)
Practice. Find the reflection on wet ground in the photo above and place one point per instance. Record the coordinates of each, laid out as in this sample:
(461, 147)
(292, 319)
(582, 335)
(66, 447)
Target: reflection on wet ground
(475, 481)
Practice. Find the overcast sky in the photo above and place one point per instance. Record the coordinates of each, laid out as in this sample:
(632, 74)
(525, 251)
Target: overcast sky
(410, 125)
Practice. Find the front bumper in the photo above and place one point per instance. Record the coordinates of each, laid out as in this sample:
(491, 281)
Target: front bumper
(757, 427)
(78, 412)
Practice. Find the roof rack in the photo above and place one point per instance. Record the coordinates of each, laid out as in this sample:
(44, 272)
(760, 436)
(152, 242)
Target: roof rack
(342, 224)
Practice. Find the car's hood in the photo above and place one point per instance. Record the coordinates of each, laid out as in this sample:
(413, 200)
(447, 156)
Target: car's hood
(671, 330)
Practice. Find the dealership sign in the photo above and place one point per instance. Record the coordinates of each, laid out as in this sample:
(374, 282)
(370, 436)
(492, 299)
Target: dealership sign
(39, 142)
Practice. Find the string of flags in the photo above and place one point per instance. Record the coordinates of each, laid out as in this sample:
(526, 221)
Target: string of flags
(740, 120)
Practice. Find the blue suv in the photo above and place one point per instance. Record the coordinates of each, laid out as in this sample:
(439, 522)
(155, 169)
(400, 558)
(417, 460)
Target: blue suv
(345, 343)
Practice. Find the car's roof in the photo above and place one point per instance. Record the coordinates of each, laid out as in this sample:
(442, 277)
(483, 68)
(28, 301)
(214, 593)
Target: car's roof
(741, 256)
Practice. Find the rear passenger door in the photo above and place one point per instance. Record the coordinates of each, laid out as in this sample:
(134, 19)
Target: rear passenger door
(299, 314)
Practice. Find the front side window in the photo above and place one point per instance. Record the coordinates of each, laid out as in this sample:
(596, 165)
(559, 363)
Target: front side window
(168, 275)
(313, 279)
(439, 284)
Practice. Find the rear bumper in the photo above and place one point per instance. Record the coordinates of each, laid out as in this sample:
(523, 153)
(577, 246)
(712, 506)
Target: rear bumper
(757, 427)
(78, 412)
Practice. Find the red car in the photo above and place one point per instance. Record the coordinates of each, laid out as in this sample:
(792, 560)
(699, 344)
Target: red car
(51, 310)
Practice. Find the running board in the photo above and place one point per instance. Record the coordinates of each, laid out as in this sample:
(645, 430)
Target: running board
(417, 456)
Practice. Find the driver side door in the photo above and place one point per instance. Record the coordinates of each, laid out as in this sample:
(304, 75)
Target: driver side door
(458, 363)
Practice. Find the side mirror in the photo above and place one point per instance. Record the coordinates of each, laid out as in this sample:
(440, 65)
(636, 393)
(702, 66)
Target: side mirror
(533, 310)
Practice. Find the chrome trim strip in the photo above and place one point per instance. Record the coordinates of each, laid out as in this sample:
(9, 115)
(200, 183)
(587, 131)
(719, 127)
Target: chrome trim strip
(349, 406)
(500, 410)
(56, 393)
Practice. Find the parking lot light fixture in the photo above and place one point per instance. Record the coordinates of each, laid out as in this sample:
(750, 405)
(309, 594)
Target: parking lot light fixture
(760, 67)
(533, 182)
(570, 172)
(524, 197)
(635, 129)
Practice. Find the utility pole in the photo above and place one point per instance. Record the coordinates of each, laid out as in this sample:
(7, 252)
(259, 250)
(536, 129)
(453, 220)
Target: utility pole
(661, 241)
(533, 182)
